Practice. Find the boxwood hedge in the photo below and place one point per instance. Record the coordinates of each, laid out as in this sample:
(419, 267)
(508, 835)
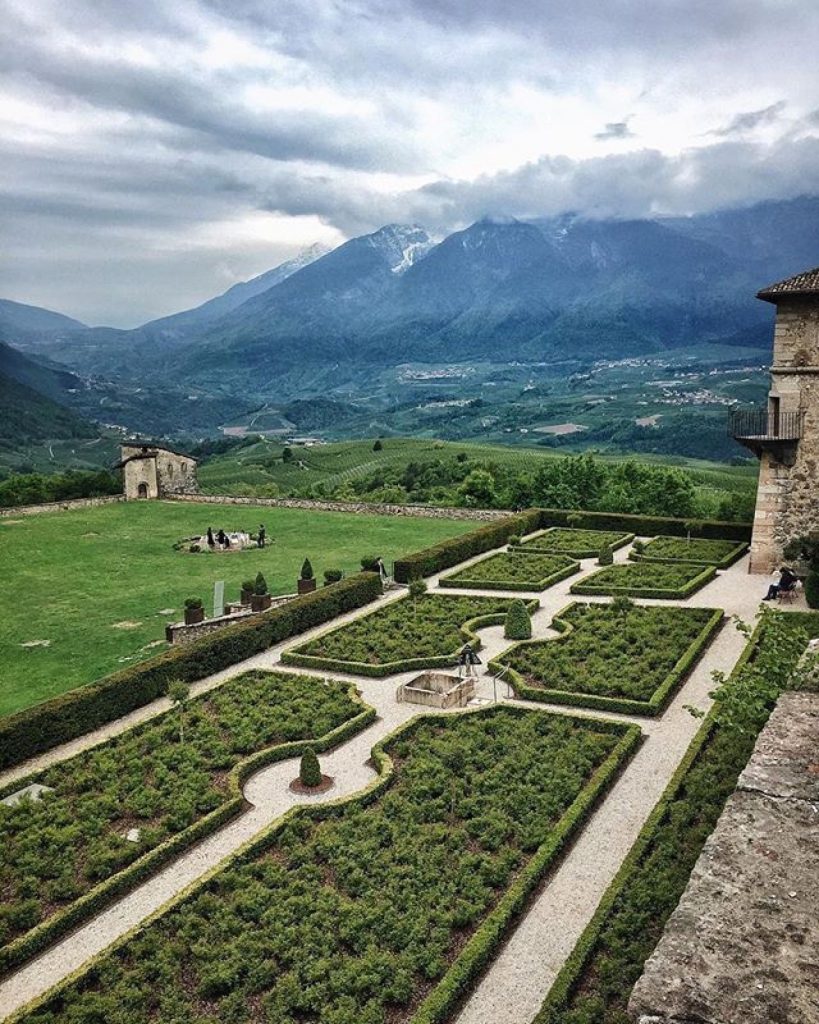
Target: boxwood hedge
(577, 543)
(508, 570)
(662, 580)
(719, 553)
(79, 711)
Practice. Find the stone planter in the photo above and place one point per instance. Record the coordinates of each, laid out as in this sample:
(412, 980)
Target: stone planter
(194, 616)
(246, 597)
(260, 602)
(306, 586)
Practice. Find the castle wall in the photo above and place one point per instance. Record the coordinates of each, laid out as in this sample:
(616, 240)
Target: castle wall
(137, 474)
(176, 473)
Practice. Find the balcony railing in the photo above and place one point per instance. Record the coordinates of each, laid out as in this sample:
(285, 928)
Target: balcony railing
(760, 425)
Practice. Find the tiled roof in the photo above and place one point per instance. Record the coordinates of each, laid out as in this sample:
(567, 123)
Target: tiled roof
(806, 283)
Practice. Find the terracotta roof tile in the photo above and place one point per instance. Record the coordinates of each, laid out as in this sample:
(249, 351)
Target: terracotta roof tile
(806, 283)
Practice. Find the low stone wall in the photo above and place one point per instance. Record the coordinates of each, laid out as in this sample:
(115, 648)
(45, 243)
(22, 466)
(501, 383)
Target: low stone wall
(356, 507)
(179, 633)
(59, 506)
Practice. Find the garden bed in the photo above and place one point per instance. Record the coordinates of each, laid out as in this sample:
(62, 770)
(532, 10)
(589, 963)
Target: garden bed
(383, 907)
(630, 660)
(406, 634)
(67, 854)
(512, 571)
(664, 580)
(577, 543)
(719, 553)
(595, 983)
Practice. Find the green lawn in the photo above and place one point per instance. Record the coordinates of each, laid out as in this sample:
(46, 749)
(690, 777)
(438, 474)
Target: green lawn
(91, 590)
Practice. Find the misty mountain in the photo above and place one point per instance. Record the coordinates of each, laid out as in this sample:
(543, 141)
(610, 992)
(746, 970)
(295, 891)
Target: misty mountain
(22, 323)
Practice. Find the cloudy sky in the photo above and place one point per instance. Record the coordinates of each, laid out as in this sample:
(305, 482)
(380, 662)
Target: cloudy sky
(153, 153)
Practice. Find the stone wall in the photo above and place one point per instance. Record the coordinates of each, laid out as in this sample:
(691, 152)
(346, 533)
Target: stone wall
(741, 945)
(176, 473)
(357, 507)
(179, 633)
(139, 479)
(59, 506)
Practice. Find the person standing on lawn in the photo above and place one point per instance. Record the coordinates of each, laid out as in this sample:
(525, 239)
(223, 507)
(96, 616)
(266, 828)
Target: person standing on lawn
(262, 535)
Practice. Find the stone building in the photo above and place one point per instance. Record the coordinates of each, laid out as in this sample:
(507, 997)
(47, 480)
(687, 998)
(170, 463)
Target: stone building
(785, 435)
(151, 471)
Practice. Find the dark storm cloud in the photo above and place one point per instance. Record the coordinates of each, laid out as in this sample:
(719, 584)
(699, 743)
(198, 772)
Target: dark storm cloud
(750, 119)
(615, 130)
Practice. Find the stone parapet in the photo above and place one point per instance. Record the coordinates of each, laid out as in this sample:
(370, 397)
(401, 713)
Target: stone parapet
(355, 507)
(59, 506)
(179, 633)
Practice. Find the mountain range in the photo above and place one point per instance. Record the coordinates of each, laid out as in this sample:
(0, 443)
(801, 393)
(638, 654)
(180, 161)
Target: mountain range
(500, 290)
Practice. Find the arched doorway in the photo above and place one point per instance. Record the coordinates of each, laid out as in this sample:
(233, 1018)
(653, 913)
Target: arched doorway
(142, 490)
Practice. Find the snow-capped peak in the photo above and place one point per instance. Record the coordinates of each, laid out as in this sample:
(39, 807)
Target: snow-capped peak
(401, 245)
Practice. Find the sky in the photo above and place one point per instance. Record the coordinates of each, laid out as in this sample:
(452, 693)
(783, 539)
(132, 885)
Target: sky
(154, 153)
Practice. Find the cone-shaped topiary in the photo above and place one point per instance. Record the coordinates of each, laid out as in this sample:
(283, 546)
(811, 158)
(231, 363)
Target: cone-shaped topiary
(518, 625)
(606, 556)
(306, 570)
(260, 586)
(812, 589)
(309, 769)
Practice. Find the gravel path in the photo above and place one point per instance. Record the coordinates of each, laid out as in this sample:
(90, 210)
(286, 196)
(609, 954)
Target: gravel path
(517, 981)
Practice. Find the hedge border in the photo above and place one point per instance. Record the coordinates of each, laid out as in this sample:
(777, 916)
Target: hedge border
(79, 711)
(97, 898)
(528, 547)
(622, 705)
(548, 581)
(586, 587)
(451, 988)
(646, 526)
(724, 563)
(389, 668)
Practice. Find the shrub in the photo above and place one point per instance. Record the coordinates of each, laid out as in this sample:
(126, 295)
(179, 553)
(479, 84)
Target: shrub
(606, 557)
(812, 589)
(260, 586)
(309, 769)
(622, 605)
(332, 576)
(287, 455)
(514, 540)
(639, 546)
(518, 624)
(513, 570)
(378, 446)
(193, 603)
(574, 519)
(306, 570)
(369, 563)
(248, 586)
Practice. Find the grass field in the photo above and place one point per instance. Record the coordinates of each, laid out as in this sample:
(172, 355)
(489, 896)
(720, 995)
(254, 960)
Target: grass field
(260, 464)
(88, 592)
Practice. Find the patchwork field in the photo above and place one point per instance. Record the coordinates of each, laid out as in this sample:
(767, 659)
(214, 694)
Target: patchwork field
(354, 915)
(88, 592)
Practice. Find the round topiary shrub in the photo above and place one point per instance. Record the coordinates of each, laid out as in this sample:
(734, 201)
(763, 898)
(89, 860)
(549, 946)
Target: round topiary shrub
(812, 589)
(332, 576)
(606, 556)
(518, 624)
(638, 546)
(309, 769)
(514, 540)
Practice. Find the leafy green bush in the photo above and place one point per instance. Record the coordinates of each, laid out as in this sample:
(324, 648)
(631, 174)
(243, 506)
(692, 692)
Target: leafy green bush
(812, 589)
(369, 563)
(509, 570)
(165, 776)
(514, 540)
(518, 624)
(576, 542)
(670, 580)
(74, 713)
(193, 603)
(409, 633)
(309, 769)
(621, 658)
(605, 557)
(354, 912)
(333, 575)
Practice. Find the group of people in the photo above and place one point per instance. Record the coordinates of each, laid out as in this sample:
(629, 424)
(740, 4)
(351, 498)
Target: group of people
(223, 541)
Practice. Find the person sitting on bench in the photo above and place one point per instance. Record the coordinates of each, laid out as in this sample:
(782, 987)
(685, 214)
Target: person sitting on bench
(787, 582)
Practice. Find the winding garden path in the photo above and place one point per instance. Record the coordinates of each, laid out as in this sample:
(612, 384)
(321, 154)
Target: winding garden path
(515, 984)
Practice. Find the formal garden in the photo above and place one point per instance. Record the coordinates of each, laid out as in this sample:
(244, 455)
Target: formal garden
(719, 553)
(513, 571)
(378, 910)
(425, 631)
(579, 543)
(671, 581)
(160, 779)
(617, 657)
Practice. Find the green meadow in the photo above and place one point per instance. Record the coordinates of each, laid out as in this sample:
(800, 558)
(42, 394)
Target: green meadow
(88, 592)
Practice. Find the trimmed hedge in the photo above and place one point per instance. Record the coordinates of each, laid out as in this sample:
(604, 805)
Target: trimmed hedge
(645, 526)
(77, 712)
(476, 954)
(96, 899)
(725, 562)
(388, 668)
(540, 543)
(623, 705)
(459, 549)
(588, 587)
(461, 578)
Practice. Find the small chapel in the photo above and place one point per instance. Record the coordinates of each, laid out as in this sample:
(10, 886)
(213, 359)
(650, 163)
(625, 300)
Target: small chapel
(785, 435)
(152, 471)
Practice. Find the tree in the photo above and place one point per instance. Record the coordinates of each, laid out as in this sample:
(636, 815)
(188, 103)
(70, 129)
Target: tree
(518, 624)
(416, 589)
(306, 570)
(287, 455)
(309, 769)
(478, 488)
(179, 692)
(378, 446)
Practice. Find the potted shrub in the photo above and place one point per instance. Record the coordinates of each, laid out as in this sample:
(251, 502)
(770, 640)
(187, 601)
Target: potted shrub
(260, 601)
(307, 581)
(247, 591)
(369, 563)
(332, 576)
(194, 611)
